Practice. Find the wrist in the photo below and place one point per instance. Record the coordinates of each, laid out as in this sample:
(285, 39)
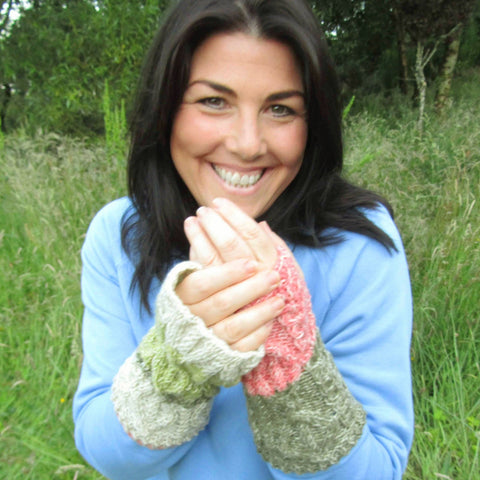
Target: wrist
(290, 344)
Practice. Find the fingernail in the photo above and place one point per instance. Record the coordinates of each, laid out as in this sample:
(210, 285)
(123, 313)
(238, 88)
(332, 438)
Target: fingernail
(218, 202)
(266, 226)
(201, 211)
(273, 278)
(189, 222)
(278, 303)
(250, 266)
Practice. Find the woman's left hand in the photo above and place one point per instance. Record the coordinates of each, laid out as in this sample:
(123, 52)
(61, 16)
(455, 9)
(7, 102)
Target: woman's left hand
(224, 233)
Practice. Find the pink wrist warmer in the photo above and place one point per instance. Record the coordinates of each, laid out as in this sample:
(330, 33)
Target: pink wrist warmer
(290, 344)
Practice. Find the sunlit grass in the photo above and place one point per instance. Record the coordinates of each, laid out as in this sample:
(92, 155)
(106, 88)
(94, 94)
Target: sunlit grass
(50, 189)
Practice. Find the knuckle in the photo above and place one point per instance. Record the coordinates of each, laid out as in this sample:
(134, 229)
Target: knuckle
(232, 331)
(203, 288)
(250, 234)
(229, 245)
(209, 260)
(221, 304)
(206, 258)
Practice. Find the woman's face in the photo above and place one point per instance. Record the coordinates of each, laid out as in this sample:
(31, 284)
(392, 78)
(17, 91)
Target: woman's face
(241, 130)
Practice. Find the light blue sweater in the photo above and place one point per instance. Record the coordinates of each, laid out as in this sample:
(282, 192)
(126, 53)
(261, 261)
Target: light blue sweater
(362, 303)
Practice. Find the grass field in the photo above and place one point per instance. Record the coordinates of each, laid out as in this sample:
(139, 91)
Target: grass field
(50, 187)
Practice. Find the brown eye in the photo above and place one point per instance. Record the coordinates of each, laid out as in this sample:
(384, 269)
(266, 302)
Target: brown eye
(281, 110)
(213, 102)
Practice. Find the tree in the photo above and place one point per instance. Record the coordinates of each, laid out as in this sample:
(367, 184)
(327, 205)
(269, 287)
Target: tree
(362, 37)
(452, 49)
(428, 23)
(6, 7)
(57, 56)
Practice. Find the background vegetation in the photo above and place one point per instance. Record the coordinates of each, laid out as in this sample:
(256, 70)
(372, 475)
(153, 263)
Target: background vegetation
(57, 56)
(62, 156)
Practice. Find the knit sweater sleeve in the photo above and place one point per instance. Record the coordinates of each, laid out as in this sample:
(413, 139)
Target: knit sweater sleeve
(163, 393)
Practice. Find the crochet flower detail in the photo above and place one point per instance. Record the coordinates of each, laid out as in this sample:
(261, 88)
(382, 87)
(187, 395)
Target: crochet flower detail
(290, 344)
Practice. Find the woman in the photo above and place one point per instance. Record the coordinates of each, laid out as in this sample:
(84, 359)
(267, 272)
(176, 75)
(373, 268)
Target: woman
(215, 348)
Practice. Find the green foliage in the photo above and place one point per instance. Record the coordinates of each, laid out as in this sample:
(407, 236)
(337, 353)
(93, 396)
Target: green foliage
(347, 109)
(2, 139)
(58, 56)
(428, 19)
(469, 55)
(51, 187)
(115, 126)
(359, 32)
(5, 13)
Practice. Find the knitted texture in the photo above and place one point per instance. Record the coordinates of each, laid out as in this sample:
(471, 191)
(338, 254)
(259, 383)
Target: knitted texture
(150, 418)
(182, 353)
(183, 363)
(310, 425)
(290, 344)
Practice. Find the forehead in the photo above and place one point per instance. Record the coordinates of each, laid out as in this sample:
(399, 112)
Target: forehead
(234, 56)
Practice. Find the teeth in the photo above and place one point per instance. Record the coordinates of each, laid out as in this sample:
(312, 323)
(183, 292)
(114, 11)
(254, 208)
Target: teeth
(237, 180)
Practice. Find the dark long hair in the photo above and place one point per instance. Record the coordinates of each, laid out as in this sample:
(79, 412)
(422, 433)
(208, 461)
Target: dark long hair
(318, 198)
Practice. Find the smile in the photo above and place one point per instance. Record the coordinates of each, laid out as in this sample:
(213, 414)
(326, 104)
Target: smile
(235, 179)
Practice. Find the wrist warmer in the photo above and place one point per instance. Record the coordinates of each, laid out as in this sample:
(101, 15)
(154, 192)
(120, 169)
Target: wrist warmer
(303, 417)
(290, 343)
(163, 393)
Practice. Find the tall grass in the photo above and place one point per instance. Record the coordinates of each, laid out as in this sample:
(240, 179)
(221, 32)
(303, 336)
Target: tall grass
(433, 182)
(50, 187)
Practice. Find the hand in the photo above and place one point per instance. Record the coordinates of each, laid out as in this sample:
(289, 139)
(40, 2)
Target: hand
(238, 255)
(219, 294)
(225, 233)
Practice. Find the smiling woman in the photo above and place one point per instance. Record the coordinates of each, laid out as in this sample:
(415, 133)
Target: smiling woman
(247, 310)
(237, 138)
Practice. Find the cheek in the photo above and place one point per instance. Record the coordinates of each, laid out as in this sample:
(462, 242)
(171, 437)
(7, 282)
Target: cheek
(192, 132)
(291, 147)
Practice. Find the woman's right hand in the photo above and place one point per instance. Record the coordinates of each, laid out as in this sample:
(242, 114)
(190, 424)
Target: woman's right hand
(219, 295)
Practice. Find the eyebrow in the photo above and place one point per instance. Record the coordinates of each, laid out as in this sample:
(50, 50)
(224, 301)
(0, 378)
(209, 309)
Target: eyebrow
(271, 98)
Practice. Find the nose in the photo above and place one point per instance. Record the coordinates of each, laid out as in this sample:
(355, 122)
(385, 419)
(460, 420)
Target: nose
(246, 138)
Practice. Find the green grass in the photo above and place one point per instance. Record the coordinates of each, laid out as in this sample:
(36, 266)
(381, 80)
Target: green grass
(433, 182)
(50, 187)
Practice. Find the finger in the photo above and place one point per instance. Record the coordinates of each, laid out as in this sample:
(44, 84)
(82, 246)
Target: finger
(251, 232)
(226, 302)
(201, 248)
(193, 256)
(279, 242)
(255, 340)
(202, 284)
(228, 243)
(241, 328)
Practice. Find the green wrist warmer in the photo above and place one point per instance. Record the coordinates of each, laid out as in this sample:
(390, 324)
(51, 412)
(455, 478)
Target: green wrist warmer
(177, 369)
(312, 424)
(183, 355)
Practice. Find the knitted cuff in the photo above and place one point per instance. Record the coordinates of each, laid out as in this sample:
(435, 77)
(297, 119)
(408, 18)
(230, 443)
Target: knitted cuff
(311, 424)
(182, 354)
(150, 418)
(175, 371)
(290, 344)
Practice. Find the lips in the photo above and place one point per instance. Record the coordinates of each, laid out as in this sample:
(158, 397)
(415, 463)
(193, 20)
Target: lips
(236, 179)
